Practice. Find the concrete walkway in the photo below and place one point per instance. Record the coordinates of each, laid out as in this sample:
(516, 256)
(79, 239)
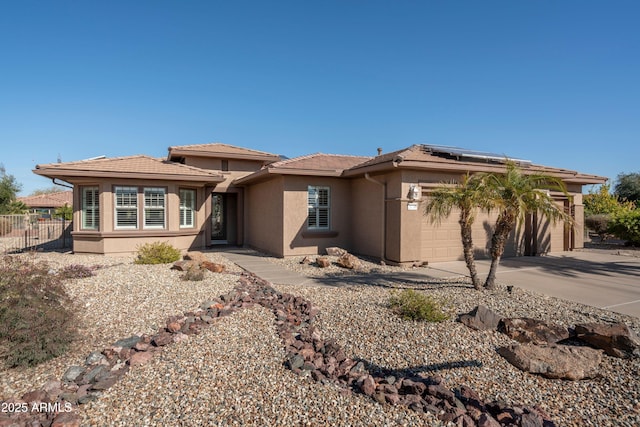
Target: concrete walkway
(596, 278)
(253, 262)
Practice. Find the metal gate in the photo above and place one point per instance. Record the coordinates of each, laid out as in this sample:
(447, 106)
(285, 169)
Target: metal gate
(31, 232)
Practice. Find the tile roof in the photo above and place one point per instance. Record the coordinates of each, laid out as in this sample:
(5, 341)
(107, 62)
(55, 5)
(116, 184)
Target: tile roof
(317, 164)
(320, 162)
(140, 167)
(48, 200)
(218, 149)
(422, 157)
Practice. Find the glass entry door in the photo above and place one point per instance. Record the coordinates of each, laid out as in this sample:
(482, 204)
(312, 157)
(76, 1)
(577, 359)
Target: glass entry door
(218, 218)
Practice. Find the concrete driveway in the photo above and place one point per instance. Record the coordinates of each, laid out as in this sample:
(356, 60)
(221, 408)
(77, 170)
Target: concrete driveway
(594, 277)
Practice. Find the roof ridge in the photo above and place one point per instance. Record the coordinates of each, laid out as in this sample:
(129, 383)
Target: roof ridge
(309, 156)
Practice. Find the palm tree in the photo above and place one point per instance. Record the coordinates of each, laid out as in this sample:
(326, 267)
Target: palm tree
(468, 196)
(515, 194)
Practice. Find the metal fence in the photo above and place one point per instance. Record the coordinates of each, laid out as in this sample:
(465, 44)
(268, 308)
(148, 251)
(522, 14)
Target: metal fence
(31, 232)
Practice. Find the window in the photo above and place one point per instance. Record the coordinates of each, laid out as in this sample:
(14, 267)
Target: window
(126, 207)
(154, 207)
(187, 207)
(318, 208)
(90, 208)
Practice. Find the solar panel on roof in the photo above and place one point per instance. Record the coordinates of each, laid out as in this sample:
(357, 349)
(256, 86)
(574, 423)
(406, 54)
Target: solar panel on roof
(461, 153)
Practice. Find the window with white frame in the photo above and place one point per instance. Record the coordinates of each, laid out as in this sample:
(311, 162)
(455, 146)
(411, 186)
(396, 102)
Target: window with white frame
(187, 207)
(154, 202)
(90, 208)
(319, 208)
(126, 207)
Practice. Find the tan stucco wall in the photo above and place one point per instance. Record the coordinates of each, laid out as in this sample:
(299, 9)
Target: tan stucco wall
(300, 241)
(367, 214)
(112, 241)
(263, 212)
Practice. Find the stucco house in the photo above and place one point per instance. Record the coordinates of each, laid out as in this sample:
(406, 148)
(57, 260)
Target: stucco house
(207, 194)
(47, 203)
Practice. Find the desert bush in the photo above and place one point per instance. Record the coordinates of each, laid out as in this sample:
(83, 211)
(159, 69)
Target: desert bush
(598, 223)
(625, 225)
(76, 271)
(36, 313)
(157, 253)
(5, 226)
(194, 274)
(413, 305)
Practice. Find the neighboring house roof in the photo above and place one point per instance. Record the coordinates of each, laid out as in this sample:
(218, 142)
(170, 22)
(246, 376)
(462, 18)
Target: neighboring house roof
(131, 167)
(452, 159)
(219, 150)
(317, 164)
(48, 200)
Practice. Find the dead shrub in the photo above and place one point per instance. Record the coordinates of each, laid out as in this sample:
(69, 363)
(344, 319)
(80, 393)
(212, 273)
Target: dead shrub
(36, 313)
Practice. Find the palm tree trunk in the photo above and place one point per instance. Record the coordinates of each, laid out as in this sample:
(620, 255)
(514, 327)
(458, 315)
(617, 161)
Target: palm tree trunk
(504, 225)
(469, 259)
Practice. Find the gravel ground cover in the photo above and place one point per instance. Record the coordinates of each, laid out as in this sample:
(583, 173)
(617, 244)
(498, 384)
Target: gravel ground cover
(233, 374)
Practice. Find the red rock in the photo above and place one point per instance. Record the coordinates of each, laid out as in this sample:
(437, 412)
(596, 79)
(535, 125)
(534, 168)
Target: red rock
(212, 266)
(392, 398)
(162, 339)
(141, 346)
(66, 419)
(368, 385)
(36, 396)
(616, 340)
(173, 327)
(323, 262)
(348, 261)
(140, 358)
(535, 331)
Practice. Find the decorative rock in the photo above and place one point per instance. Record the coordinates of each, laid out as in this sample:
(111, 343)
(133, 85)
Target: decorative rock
(141, 346)
(173, 327)
(140, 358)
(66, 419)
(487, 420)
(554, 361)
(127, 342)
(616, 340)
(335, 251)
(323, 262)
(368, 385)
(35, 396)
(184, 265)
(306, 260)
(196, 256)
(212, 266)
(162, 339)
(481, 318)
(94, 358)
(72, 373)
(348, 261)
(535, 331)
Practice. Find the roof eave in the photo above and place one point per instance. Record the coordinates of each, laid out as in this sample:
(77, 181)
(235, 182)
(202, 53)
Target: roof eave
(69, 175)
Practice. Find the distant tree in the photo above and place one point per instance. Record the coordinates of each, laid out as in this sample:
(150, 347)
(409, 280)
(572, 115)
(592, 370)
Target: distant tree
(628, 187)
(601, 201)
(9, 188)
(65, 212)
(48, 190)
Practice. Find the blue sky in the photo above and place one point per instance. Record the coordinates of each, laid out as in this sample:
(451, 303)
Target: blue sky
(554, 82)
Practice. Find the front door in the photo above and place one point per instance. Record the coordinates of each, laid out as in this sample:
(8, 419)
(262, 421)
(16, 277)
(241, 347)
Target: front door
(218, 218)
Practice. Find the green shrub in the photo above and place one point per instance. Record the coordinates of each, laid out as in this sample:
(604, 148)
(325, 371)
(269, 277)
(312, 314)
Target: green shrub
(36, 313)
(413, 305)
(625, 225)
(157, 253)
(5, 226)
(598, 223)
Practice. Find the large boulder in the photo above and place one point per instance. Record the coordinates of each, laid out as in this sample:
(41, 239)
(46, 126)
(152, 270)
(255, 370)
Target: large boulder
(554, 361)
(481, 318)
(348, 261)
(616, 340)
(527, 330)
(335, 251)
